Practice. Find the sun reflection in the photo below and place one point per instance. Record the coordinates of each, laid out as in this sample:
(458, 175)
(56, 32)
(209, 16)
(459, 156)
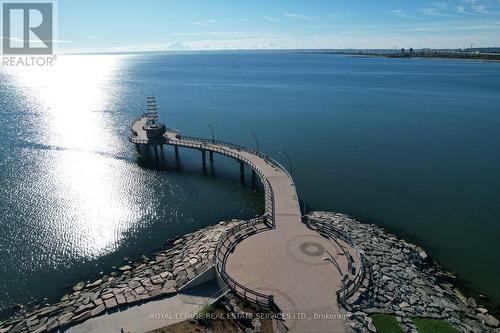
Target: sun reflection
(73, 93)
(74, 99)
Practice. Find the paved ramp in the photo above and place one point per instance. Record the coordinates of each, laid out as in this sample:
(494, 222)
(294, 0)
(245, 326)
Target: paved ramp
(154, 314)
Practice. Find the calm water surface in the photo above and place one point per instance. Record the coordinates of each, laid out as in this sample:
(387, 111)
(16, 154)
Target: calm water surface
(409, 144)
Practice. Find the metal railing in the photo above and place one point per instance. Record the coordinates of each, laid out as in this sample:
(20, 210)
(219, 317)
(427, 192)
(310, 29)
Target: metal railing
(265, 157)
(221, 147)
(136, 119)
(236, 234)
(349, 285)
(269, 196)
(134, 133)
(173, 130)
(133, 138)
(195, 313)
(226, 246)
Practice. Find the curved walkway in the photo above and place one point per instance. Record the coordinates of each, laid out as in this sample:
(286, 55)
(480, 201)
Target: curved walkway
(286, 261)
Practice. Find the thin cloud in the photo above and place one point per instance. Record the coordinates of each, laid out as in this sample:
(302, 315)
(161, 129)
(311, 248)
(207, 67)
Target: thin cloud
(298, 16)
(204, 23)
(62, 41)
(399, 12)
(447, 28)
(440, 4)
(338, 14)
(432, 12)
(479, 9)
(429, 11)
(269, 18)
(93, 37)
(240, 19)
(461, 9)
(177, 46)
(213, 33)
(32, 41)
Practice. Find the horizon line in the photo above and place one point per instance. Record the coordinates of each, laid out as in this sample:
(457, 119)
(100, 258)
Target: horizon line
(269, 50)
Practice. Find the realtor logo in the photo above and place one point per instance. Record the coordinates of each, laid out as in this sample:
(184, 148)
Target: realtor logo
(27, 28)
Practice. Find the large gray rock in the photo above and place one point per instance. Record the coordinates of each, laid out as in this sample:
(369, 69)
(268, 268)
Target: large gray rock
(472, 302)
(65, 318)
(98, 310)
(488, 319)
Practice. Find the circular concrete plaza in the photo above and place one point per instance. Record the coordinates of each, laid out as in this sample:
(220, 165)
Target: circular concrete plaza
(293, 270)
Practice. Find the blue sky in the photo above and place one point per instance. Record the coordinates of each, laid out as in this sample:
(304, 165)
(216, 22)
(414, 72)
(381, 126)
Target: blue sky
(112, 25)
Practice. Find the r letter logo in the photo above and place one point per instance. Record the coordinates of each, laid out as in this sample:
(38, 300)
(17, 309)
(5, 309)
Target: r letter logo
(27, 28)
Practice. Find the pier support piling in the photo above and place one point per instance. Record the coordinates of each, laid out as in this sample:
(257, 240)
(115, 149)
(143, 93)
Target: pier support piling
(211, 157)
(203, 158)
(242, 171)
(156, 153)
(176, 148)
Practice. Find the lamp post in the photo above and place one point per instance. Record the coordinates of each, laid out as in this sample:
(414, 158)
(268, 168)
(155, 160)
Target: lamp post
(250, 133)
(289, 160)
(212, 131)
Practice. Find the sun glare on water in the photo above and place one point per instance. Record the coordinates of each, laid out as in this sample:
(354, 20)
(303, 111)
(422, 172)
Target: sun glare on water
(72, 99)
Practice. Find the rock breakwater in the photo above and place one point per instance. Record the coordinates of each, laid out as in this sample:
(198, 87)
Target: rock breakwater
(405, 282)
(131, 284)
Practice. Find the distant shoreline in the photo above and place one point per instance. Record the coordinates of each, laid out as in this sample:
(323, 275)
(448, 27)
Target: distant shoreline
(492, 54)
(420, 54)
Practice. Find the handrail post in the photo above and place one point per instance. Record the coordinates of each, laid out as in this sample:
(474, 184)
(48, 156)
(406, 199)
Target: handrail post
(289, 160)
(213, 132)
(242, 171)
(251, 133)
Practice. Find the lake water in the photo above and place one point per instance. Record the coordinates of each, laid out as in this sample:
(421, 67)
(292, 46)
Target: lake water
(410, 144)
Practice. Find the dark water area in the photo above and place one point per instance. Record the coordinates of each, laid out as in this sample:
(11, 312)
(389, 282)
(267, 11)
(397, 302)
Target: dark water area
(411, 144)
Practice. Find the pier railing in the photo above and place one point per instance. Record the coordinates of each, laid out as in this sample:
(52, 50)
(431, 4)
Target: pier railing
(225, 247)
(136, 119)
(173, 130)
(133, 138)
(354, 277)
(265, 157)
(238, 233)
(134, 133)
(220, 149)
(268, 159)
